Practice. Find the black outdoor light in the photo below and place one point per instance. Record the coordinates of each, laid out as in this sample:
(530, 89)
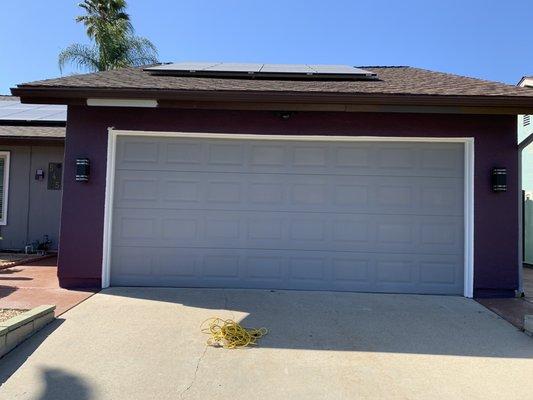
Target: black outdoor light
(499, 179)
(82, 169)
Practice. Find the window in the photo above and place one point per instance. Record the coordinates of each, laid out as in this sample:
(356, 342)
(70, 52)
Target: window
(4, 185)
(527, 120)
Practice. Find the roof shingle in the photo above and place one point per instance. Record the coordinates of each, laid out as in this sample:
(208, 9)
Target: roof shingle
(392, 81)
(44, 132)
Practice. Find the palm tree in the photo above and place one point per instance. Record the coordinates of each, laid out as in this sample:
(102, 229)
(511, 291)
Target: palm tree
(114, 45)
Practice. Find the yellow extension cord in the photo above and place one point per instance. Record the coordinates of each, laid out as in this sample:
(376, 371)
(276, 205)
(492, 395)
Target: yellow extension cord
(229, 334)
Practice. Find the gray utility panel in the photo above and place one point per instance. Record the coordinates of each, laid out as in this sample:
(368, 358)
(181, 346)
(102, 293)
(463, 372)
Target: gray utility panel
(353, 216)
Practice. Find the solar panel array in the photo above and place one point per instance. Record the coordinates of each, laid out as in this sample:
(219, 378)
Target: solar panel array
(14, 110)
(251, 70)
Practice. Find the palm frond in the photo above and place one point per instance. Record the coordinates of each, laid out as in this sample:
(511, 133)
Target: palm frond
(82, 56)
(141, 51)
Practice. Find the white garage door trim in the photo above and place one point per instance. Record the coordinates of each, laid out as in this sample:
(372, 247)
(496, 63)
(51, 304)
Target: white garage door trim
(468, 183)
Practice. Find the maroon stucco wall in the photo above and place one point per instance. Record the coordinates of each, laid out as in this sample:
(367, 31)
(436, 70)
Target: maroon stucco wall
(496, 214)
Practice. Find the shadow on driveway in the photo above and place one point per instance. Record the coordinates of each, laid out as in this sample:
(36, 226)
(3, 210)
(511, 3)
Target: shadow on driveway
(362, 322)
(145, 343)
(18, 356)
(60, 384)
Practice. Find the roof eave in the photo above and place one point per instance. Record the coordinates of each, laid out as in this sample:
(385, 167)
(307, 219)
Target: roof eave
(78, 96)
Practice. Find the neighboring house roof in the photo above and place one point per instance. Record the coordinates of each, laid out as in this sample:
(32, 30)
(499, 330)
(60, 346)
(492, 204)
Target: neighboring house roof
(23, 131)
(31, 121)
(11, 109)
(395, 85)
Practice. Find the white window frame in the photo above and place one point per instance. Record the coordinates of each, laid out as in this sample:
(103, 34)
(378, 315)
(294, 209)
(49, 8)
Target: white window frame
(6, 155)
(468, 142)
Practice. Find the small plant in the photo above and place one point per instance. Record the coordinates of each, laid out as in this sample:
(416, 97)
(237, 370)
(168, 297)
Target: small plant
(44, 246)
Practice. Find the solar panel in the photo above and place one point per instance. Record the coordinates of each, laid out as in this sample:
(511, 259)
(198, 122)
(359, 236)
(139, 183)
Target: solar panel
(253, 70)
(234, 67)
(14, 110)
(287, 68)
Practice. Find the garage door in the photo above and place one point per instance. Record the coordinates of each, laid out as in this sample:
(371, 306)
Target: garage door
(354, 216)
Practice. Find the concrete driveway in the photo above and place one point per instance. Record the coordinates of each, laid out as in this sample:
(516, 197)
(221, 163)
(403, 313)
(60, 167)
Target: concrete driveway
(142, 343)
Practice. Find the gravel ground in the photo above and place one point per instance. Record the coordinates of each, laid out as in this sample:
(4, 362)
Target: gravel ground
(6, 313)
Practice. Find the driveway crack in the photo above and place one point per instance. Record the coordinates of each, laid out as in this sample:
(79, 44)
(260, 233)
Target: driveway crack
(195, 372)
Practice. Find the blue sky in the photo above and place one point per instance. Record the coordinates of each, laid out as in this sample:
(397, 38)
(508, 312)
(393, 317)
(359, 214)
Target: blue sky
(489, 39)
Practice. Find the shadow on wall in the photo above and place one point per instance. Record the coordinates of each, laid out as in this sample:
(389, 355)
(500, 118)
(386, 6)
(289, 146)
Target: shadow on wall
(342, 321)
(60, 384)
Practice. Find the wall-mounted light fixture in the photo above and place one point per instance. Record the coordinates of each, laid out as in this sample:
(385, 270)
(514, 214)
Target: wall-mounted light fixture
(82, 169)
(39, 174)
(499, 179)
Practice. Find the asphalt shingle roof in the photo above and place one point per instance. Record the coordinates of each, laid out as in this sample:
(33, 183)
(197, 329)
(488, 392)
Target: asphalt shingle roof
(45, 132)
(392, 81)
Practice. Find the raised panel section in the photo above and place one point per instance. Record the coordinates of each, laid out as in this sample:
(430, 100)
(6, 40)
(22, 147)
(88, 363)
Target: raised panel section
(267, 155)
(221, 266)
(265, 228)
(307, 229)
(137, 228)
(354, 156)
(225, 154)
(306, 268)
(350, 269)
(266, 193)
(181, 191)
(140, 152)
(395, 196)
(443, 159)
(394, 271)
(183, 153)
(309, 193)
(138, 189)
(264, 267)
(222, 229)
(175, 266)
(438, 272)
(223, 192)
(395, 232)
(397, 158)
(351, 195)
(310, 156)
(351, 231)
(180, 229)
(439, 197)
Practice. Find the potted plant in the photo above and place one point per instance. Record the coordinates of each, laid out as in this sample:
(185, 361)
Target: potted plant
(43, 247)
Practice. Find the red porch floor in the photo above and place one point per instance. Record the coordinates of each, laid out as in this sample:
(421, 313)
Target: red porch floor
(34, 284)
(514, 310)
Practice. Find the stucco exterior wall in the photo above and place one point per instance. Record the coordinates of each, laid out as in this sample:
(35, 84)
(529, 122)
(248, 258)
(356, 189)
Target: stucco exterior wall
(496, 214)
(33, 210)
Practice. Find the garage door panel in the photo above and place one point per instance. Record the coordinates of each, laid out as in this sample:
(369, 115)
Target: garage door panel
(280, 230)
(368, 216)
(277, 192)
(258, 156)
(286, 270)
